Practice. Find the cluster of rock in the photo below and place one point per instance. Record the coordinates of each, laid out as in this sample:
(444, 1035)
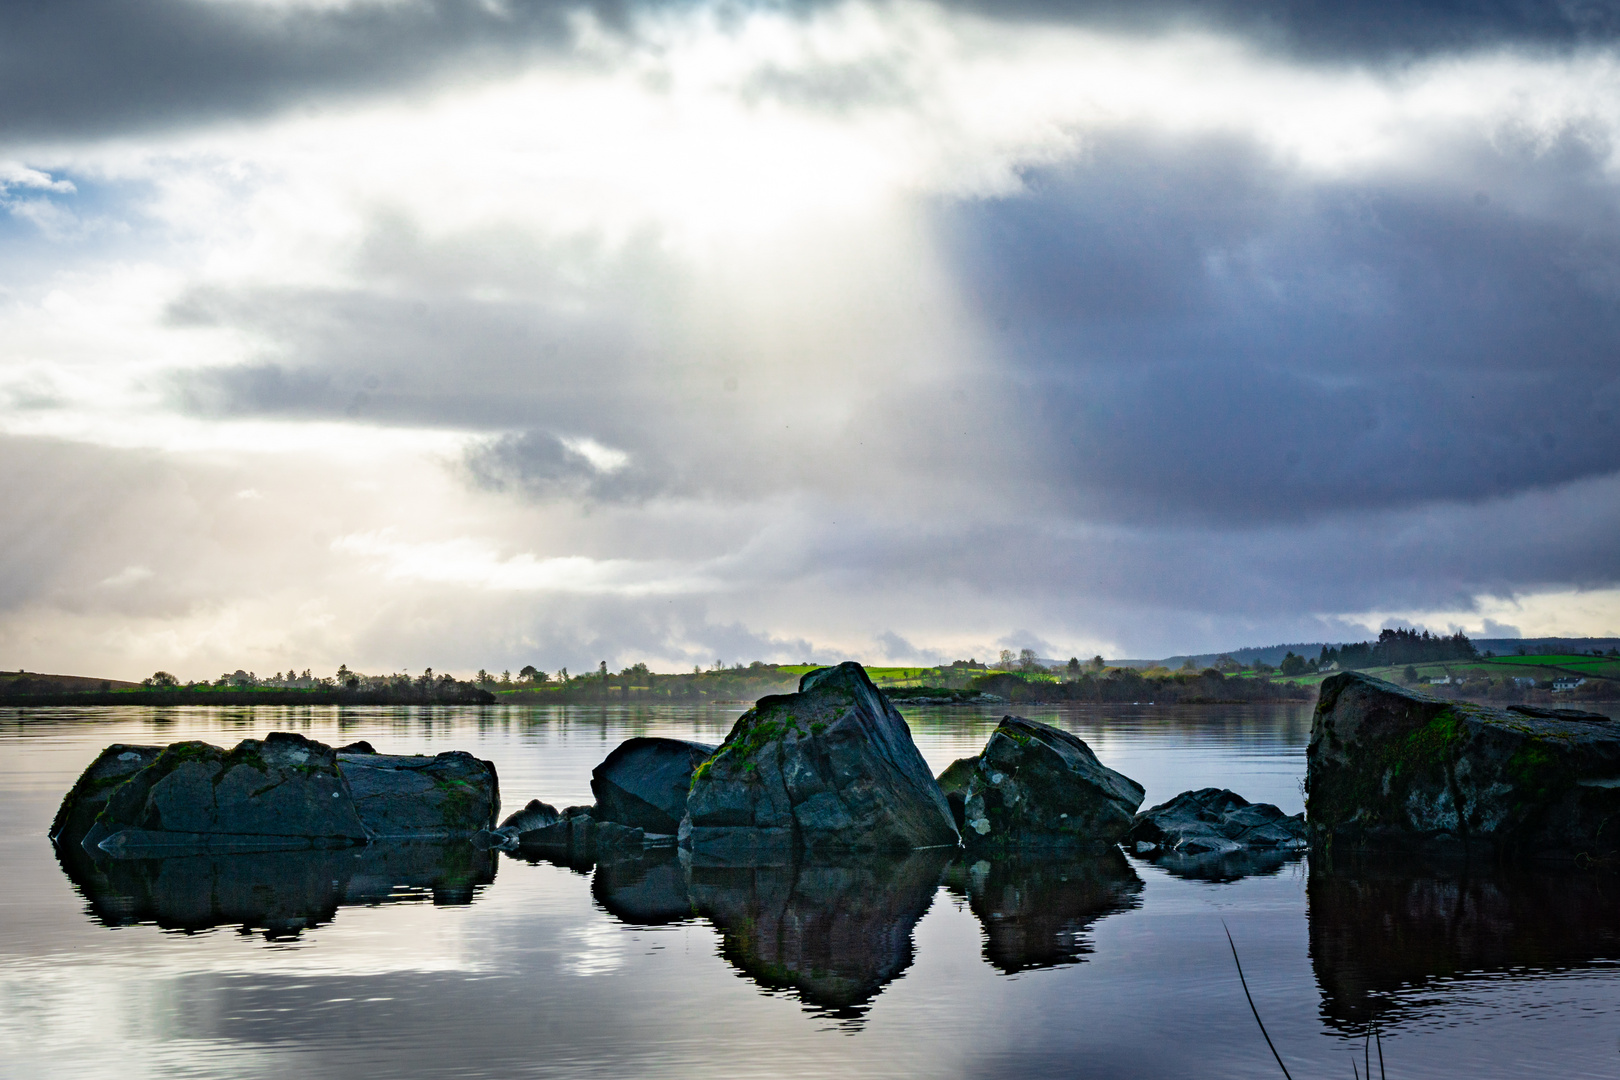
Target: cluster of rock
(828, 771)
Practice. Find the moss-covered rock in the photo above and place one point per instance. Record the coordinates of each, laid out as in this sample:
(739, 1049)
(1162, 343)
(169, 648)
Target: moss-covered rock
(284, 791)
(1039, 788)
(1390, 768)
(89, 794)
(830, 768)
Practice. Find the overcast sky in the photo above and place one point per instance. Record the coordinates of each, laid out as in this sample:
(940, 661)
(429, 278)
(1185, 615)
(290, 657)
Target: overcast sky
(477, 333)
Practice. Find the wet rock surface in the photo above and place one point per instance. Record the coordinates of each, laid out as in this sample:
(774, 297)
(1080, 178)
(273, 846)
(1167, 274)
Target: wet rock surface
(830, 768)
(1391, 769)
(445, 796)
(1036, 912)
(1213, 821)
(644, 782)
(1037, 788)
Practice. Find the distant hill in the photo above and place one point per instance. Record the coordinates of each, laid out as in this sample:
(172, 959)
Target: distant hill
(1273, 654)
(35, 682)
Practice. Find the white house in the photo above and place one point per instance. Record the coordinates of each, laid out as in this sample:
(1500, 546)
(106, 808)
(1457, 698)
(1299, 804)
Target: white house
(1566, 684)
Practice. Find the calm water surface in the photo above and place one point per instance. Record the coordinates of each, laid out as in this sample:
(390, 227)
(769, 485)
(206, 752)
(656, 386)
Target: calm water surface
(428, 963)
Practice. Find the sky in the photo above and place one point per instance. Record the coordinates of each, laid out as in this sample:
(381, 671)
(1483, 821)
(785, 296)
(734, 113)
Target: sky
(483, 333)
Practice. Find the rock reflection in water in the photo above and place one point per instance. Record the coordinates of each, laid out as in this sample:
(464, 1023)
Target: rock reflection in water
(279, 893)
(833, 933)
(1035, 912)
(1219, 868)
(644, 889)
(1382, 926)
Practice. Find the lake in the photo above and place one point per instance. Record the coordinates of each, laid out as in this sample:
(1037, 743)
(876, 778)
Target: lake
(451, 963)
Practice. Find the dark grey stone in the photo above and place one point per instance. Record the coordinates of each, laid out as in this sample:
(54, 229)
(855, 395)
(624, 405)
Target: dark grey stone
(1037, 788)
(830, 768)
(954, 783)
(448, 796)
(536, 815)
(1214, 821)
(277, 792)
(1389, 768)
(644, 782)
(88, 796)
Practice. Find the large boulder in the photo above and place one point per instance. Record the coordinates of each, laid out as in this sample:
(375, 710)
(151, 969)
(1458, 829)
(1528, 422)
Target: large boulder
(1038, 788)
(284, 791)
(1214, 821)
(643, 784)
(830, 768)
(1391, 768)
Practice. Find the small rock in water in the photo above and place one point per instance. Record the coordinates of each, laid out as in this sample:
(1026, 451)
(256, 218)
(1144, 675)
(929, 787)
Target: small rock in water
(1214, 820)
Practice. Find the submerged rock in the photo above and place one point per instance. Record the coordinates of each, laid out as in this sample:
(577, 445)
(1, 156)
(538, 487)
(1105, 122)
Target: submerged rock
(1391, 768)
(1037, 787)
(644, 782)
(830, 768)
(284, 791)
(1214, 821)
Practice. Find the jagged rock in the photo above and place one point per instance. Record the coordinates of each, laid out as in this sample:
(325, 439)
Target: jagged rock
(830, 768)
(1038, 788)
(1389, 767)
(1214, 821)
(88, 796)
(644, 782)
(285, 791)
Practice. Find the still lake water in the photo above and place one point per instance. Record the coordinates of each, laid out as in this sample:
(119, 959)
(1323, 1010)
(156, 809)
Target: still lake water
(498, 967)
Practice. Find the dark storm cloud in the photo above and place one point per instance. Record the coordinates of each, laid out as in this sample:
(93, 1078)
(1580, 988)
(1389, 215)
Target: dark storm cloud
(76, 68)
(1201, 334)
(1339, 30)
(93, 67)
